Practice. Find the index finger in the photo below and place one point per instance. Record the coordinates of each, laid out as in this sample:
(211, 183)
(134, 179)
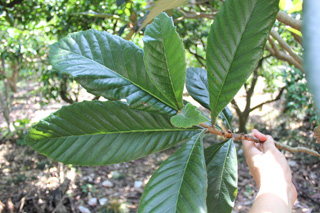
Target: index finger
(250, 148)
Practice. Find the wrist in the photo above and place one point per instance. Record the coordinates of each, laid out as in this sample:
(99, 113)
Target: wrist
(280, 189)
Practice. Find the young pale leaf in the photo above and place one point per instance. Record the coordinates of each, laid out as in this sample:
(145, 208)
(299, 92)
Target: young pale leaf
(189, 116)
(165, 58)
(197, 86)
(180, 184)
(101, 133)
(160, 6)
(108, 66)
(221, 161)
(311, 42)
(235, 44)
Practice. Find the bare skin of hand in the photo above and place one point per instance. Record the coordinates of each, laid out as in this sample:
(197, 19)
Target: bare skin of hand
(272, 175)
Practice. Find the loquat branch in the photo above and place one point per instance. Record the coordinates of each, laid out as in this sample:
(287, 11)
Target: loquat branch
(289, 20)
(240, 137)
(194, 15)
(282, 55)
(285, 46)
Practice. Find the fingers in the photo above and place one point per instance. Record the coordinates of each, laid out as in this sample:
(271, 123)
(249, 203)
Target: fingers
(268, 145)
(250, 148)
(259, 135)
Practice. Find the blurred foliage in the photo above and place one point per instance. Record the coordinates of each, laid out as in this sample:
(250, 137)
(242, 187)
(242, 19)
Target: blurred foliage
(298, 97)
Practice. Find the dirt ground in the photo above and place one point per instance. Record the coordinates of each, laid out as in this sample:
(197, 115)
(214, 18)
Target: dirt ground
(31, 182)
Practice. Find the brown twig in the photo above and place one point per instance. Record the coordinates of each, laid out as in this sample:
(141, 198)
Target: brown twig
(296, 149)
(282, 55)
(289, 20)
(286, 46)
(194, 15)
(229, 134)
(240, 137)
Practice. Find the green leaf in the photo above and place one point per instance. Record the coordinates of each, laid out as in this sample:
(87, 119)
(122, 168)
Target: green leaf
(226, 117)
(165, 59)
(101, 133)
(295, 31)
(189, 116)
(221, 161)
(235, 44)
(197, 86)
(108, 66)
(282, 4)
(296, 8)
(180, 184)
(311, 32)
(120, 2)
(160, 6)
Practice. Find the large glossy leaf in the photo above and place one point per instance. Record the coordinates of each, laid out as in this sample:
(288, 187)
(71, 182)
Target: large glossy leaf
(312, 46)
(180, 184)
(108, 66)
(235, 44)
(165, 58)
(100, 133)
(197, 86)
(221, 161)
(189, 116)
(160, 6)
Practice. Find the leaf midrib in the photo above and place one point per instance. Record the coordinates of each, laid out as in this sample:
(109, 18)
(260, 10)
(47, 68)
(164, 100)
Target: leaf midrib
(233, 58)
(223, 170)
(154, 95)
(167, 66)
(187, 162)
(120, 132)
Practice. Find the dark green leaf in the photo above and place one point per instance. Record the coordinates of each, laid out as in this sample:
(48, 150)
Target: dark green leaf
(311, 33)
(100, 133)
(165, 58)
(197, 86)
(226, 117)
(235, 44)
(221, 160)
(189, 116)
(120, 2)
(108, 66)
(180, 184)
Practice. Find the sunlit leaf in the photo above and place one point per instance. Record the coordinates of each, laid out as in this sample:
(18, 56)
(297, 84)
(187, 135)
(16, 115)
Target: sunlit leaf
(160, 6)
(282, 4)
(296, 8)
(297, 32)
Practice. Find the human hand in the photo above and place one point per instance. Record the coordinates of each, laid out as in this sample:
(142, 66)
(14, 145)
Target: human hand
(269, 167)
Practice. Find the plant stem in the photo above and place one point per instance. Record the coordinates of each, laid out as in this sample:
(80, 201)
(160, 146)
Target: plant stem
(240, 137)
